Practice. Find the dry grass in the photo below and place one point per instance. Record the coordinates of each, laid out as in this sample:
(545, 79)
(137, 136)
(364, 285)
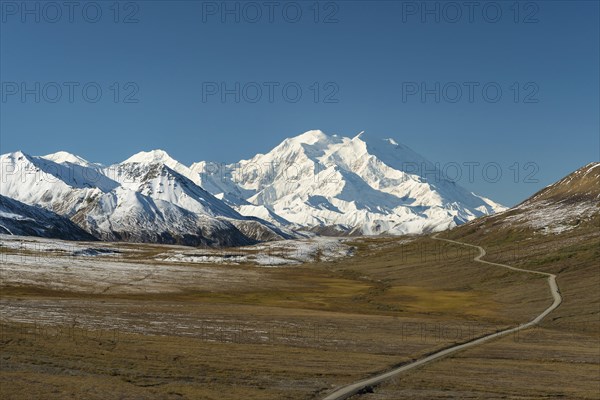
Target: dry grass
(288, 333)
(559, 359)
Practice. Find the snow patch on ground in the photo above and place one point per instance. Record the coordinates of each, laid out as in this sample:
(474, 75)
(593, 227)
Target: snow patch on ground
(278, 253)
(552, 218)
(49, 246)
(83, 267)
(117, 268)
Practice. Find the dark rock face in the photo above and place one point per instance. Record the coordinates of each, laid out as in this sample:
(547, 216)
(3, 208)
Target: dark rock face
(17, 218)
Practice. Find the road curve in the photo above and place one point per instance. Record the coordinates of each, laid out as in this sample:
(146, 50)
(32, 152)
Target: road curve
(354, 388)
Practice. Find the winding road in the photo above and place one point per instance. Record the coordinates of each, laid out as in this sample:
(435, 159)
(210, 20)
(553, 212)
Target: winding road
(354, 388)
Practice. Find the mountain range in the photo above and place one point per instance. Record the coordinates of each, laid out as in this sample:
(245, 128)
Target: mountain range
(311, 183)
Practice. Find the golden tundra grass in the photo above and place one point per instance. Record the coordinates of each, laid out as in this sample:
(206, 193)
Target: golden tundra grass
(298, 331)
(559, 359)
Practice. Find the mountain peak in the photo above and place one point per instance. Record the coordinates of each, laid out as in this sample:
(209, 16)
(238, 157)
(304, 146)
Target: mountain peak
(363, 183)
(61, 157)
(580, 185)
(16, 155)
(310, 137)
(373, 142)
(150, 157)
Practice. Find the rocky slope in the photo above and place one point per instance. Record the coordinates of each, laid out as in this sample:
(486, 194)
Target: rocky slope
(20, 219)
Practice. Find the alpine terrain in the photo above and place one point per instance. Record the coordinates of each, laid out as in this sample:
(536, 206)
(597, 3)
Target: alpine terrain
(340, 185)
(312, 182)
(138, 200)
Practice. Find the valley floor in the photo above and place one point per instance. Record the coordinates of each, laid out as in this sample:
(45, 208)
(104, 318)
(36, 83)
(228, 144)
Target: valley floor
(108, 321)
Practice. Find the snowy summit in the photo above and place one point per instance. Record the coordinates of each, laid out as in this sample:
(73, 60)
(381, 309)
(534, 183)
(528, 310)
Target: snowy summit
(326, 184)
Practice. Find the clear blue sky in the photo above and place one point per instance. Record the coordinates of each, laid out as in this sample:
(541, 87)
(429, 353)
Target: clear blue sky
(370, 56)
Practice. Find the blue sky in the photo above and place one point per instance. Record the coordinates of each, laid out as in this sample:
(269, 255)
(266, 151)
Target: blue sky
(360, 65)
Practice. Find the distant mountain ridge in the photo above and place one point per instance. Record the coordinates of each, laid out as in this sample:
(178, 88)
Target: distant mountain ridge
(311, 182)
(137, 201)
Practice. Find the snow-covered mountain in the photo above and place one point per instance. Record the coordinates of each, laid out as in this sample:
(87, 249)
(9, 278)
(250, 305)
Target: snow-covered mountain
(327, 184)
(60, 187)
(337, 184)
(140, 200)
(17, 218)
